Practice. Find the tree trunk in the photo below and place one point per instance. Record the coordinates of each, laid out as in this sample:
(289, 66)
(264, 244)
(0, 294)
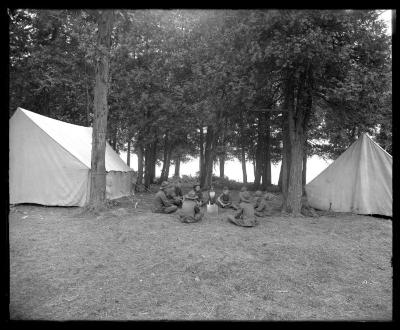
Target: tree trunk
(285, 156)
(153, 161)
(266, 177)
(128, 153)
(297, 115)
(177, 166)
(139, 151)
(150, 163)
(208, 157)
(294, 192)
(98, 170)
(254, 169)
(266, 173)
(243, 160)
(168, 162)
(87, 103)
(147, 165)
(259, 151)
(114, 140)
(221, 167)
(304, 172)
(280, 177)
(165, 159)
(202, 163)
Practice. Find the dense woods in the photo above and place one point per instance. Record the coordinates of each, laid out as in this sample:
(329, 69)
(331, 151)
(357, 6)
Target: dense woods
(254, 85)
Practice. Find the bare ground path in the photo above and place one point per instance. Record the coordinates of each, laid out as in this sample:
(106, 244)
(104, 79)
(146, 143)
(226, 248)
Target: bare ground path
(132, 264)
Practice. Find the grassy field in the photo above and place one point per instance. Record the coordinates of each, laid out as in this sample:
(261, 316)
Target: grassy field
(129, 264)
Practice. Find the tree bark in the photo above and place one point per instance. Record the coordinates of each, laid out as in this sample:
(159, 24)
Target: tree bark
(294, 192)
(153, 157)
(114, 140)
(177, 166)
(297, 114)
(304, 172)
(285, 156)
(98, 170)
(208, 157)
(168, 163)
(280, 177)
(139, 151)
(243, 160)
(266, 177)
(165, 158)
(221, 167)
(254, 168)
(147, 165)
(87, 102)
(128, 153)
(202, 164)
(292, 198)
(266, 174)
(259, 151)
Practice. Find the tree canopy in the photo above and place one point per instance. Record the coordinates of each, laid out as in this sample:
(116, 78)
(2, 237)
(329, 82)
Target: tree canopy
(255, 85)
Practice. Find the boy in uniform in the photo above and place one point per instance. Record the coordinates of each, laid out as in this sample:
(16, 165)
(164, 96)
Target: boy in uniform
(242, 190)
(199, 194)
(175, 194)
(190, 211)
(245, 215)
(260, 206)
(161, 203)
(224, 200)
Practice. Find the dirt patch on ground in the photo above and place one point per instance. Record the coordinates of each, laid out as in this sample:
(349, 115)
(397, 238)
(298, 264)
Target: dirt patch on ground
(128, 263)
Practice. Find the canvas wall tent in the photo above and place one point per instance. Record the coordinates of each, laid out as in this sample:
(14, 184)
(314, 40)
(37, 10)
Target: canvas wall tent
(50, 162)
(359, 181)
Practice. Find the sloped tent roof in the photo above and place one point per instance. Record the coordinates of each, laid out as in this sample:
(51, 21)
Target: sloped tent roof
(50, 160)
(358, 181)
(77, 140)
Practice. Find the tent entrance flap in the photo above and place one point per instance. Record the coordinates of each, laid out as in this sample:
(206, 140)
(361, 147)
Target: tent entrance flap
(118, 184)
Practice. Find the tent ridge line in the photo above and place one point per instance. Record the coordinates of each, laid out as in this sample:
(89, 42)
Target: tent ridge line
(379, 146)
(89, 167)
(55, 139)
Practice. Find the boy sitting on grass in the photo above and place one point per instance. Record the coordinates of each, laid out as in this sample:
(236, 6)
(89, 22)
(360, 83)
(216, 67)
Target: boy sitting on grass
(224, 200)
(161, 203)
(199, 194)
(245, 215)
(242, 190)
(175, 194)
(260, 206)
(190, 211)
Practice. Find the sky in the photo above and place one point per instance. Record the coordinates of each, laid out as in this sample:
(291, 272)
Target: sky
(386, 16)
(233, 169)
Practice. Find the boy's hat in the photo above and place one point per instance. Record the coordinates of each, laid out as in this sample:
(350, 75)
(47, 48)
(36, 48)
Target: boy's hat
(243, 189)
(191, 195)
(258, 193)
(196, 184)
(246, 197)
(164, 185)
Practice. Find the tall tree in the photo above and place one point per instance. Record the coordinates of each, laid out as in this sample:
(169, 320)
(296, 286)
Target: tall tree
(98, 169)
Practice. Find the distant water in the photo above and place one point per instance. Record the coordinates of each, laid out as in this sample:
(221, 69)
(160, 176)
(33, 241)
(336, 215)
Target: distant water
(233, 169)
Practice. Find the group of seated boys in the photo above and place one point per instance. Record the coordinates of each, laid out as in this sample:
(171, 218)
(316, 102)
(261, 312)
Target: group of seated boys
(170, 198)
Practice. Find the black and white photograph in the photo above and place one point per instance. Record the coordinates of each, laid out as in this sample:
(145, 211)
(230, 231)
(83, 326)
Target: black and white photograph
(200, 164)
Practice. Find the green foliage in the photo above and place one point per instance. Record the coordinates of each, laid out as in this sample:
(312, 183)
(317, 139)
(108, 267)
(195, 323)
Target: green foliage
(178, 70)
